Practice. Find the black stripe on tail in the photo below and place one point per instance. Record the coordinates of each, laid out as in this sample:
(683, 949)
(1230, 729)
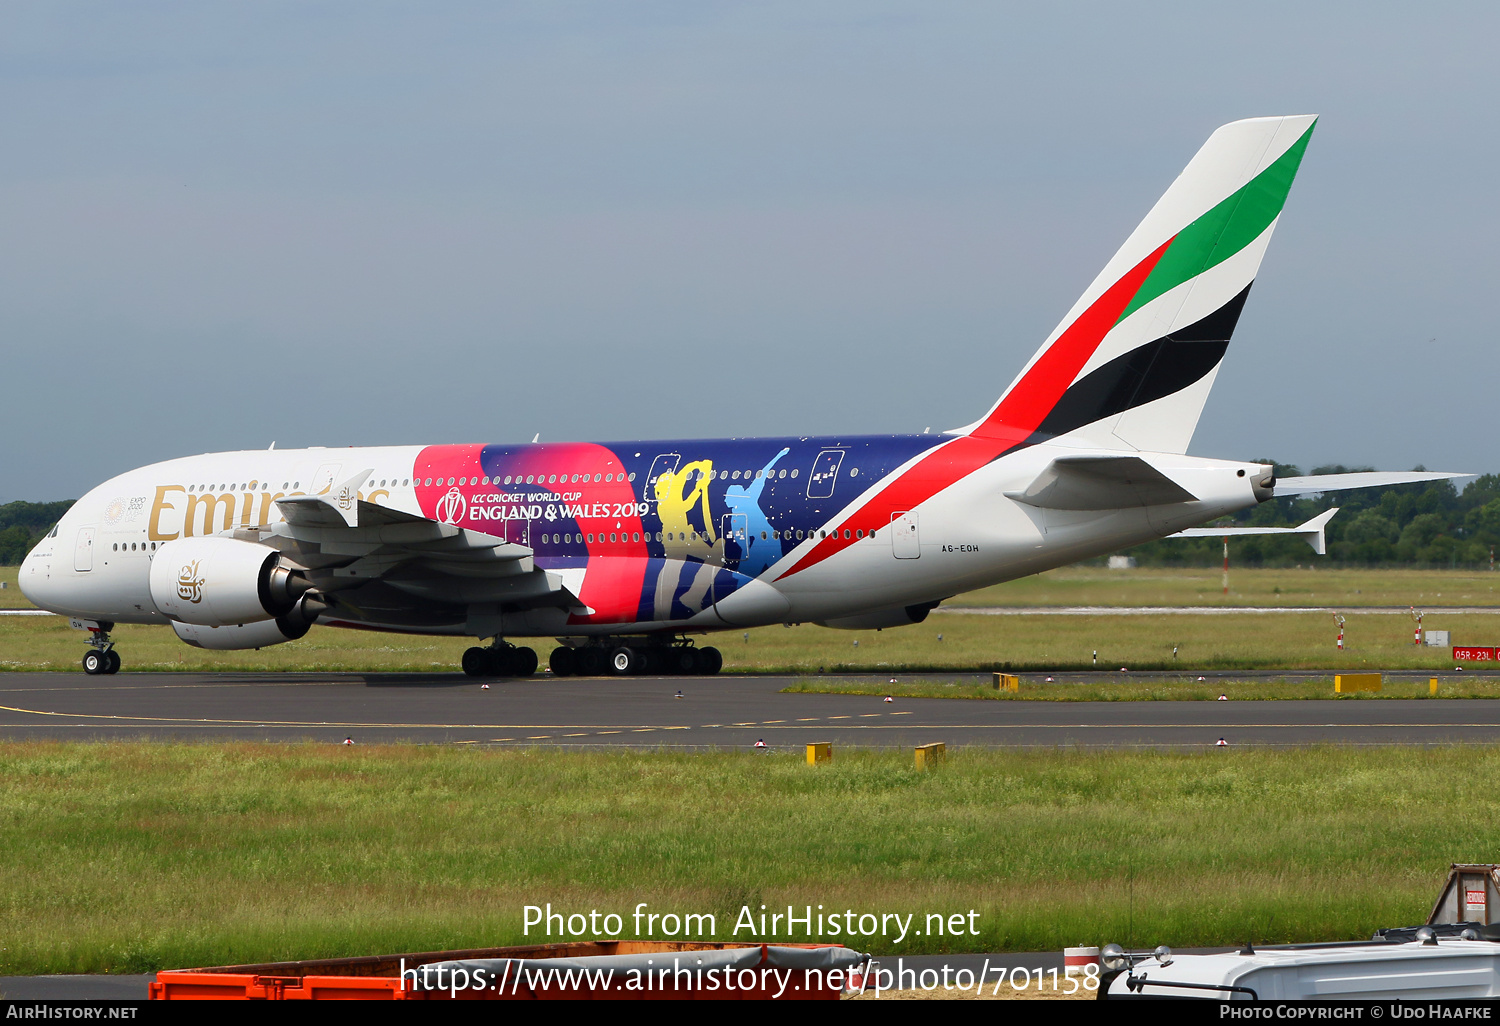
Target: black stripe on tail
(1146, 373)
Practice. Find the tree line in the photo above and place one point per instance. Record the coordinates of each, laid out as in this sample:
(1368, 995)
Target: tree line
(22, 525)
(1417, 525)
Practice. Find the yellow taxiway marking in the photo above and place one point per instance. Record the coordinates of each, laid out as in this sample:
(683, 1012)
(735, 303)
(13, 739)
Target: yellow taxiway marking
(538, 737)
(809, 719)
(841, 717)
(575, 735)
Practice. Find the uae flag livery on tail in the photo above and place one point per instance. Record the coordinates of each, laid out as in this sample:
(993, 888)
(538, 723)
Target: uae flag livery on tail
(1130, 366)
(1137, 353)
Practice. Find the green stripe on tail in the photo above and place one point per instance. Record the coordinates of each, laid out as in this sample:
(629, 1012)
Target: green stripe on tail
(1225, 230)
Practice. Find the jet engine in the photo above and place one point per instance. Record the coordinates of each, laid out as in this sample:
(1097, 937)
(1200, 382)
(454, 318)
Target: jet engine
(901, 616)
(244, 635)
(218, 581)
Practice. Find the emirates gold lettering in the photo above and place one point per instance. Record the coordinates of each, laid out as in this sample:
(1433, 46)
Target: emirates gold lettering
(159, 506)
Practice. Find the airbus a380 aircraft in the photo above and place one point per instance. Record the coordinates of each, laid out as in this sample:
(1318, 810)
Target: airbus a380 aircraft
(623, 552)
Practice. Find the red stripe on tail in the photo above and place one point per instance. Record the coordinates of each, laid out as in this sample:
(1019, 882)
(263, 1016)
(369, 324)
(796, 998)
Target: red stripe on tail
(1012, 422)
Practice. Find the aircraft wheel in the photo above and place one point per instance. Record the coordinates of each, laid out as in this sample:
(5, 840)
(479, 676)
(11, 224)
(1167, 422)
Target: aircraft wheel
(476, 662)
(114, 661)
(682, 660)
(563, 661)
(95, 663)
(522, 662)
(591, 661)
(624, 662)
(710, 661)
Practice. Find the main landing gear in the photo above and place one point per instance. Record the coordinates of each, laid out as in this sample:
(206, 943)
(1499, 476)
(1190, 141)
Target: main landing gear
(101, 658)
(499, 660)
(626, 657)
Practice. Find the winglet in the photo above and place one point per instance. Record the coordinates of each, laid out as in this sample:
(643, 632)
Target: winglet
(1310, 532)
(340, 501)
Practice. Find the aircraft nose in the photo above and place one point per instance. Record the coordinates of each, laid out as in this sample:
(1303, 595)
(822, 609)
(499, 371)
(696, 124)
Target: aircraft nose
(32, 580)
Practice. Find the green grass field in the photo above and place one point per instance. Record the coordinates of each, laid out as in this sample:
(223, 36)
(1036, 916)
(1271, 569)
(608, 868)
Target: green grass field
(1290, 641)
(971, 642)
(1309, 586)
(132, 857)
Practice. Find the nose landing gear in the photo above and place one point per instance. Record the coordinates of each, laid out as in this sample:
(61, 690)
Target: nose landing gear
(101, 658)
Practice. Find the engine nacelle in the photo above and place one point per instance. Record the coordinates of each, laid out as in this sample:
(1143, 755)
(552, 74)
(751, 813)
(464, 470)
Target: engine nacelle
(243, 635)
(218, 581)
(901, 616)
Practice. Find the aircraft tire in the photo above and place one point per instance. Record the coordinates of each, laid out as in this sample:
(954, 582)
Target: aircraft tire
(563, 661)
(625, 662)
(710, 661)
(114, 661)
(682, 660)
(591, 661)
(95, 663)
(523, 662)
(476, 662)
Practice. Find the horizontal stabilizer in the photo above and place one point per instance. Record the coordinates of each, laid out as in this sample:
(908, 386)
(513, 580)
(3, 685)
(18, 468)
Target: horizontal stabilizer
(1364, 479)
(1101, 482)
(1310, 532)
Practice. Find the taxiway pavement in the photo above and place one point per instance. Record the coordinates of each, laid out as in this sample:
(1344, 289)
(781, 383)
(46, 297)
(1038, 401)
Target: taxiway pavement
(715, 712)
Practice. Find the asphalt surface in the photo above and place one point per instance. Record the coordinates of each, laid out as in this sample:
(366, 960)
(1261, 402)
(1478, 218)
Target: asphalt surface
(716, 712)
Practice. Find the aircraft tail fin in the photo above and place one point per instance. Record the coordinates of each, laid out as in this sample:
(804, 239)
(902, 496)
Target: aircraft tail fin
(1131, 364)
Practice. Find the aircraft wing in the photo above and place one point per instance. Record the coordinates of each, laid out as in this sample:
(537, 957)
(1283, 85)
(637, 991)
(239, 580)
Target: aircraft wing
(368, 555)
(1363, 479)
(1310, 532)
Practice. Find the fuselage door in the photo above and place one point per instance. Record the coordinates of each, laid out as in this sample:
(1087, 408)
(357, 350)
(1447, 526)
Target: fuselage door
(736, 538)
(83, 550)
(517, 531)
(323, 480)
(906, 538)
(666, 463)
(825, 472)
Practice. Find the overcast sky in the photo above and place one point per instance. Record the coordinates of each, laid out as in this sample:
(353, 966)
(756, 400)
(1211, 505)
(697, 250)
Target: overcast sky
(223, 225)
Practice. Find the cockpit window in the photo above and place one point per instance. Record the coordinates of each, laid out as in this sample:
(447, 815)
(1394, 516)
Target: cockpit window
(52, 533)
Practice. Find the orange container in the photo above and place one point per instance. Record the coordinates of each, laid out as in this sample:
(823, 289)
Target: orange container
(378, 977)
